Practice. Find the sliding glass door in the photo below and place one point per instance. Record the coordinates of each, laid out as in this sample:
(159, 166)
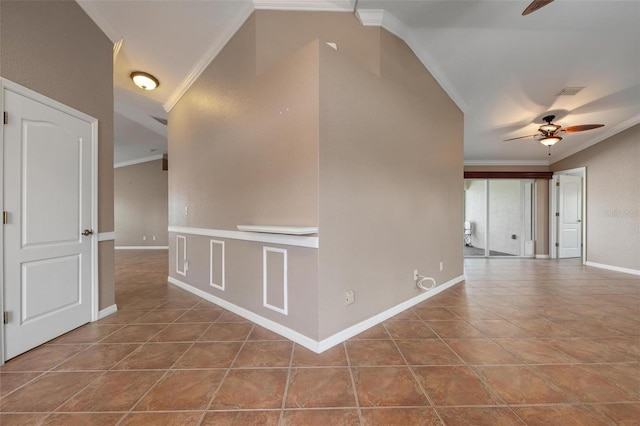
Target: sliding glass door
(499, 218)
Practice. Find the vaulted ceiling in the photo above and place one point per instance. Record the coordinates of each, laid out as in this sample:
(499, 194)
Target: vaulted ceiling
(503, 70)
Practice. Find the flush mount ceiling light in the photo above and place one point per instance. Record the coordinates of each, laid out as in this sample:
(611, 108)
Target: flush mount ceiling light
(144, 80)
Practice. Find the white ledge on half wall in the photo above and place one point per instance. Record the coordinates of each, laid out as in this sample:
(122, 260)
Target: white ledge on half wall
(286, 230)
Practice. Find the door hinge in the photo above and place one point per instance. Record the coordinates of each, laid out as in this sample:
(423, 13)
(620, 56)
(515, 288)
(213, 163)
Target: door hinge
(557, 183)
(5, 317)
(5, 218)
(557, 245)
(6, 117)
(557, 214)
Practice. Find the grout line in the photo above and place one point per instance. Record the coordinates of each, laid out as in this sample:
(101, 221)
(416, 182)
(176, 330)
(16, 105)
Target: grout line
(353, 381)
(286, 385)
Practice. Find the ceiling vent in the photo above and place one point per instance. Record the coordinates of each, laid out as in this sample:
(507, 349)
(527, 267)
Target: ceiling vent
(569, 91)
(160, 120)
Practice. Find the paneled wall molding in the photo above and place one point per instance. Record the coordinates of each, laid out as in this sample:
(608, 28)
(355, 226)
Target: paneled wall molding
(614, 268)
(508, 175)
(311, 344)
(266, 284)
(216, 266)
(181, 255)
(142, 247)
(289, 240)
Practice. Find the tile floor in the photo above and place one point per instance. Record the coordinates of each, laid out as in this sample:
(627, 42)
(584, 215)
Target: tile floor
(533, 342)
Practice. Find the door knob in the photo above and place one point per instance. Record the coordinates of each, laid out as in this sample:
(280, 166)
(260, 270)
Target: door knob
(87, 232)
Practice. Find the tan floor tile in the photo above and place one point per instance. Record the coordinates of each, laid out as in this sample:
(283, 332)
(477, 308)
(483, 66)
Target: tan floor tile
(373, 352)
(182, 390)
(12, 381)
(521, 385)
(535, 351)
(151, 356)
(82, 419)
(238, 418)
(427, 352)
(201, 315)
(113, 391)
(454, 386)
(227, 316)
(303, 357)
(134, 333)
(565, 415)
(90, 333)
(320, 418)
(375, 333)
(251, 389)
(589, 350)
(457, 329)
(481, 351)
(387, 387)
(164, 419)
(400, 416)
(122, 317)
(320, 387)
(42, 358)
(621, 414)
(409, 330)
(479, 416)
(227, 332)
(497, 328)
(209, 355)
(21, 419)
(264, 354)
(181, 333)
(160, 316)
(98, 357)
(437, 313)
(46, 392)
(261, 333)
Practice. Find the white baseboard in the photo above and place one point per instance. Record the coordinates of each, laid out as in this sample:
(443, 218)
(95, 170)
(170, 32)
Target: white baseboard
(107, 311)
(307, 342)
(542, 256)
(614, 268)
(142, 247)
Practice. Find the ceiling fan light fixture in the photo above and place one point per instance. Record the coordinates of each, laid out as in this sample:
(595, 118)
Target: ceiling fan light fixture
(550, 140)
(549, 128)
(144, 80)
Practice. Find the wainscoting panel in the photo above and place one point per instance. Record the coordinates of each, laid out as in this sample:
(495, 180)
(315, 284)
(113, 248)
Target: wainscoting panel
(274, 279)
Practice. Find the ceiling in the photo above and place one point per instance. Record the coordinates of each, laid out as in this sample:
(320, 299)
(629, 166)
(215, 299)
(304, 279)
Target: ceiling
(502, 69)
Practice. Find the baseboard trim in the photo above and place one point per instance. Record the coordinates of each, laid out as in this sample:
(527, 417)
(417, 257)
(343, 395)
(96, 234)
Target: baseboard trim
(142, 247)
(541, 256)
(307, 342)
(349, 332)
(103, 313)
(614, 268)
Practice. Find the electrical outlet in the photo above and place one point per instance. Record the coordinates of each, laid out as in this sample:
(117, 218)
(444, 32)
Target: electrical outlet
(154, 238)
(144, 238)
(186, 210)
(349, 297)
(441, 265)
(415, 275)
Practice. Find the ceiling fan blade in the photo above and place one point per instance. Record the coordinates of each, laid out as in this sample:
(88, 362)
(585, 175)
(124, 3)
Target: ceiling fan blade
(520, 137)
(582, 128)
(535, 5)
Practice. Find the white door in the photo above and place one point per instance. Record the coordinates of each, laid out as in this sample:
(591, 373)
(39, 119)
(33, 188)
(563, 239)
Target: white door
(47, 184)
(570, 219)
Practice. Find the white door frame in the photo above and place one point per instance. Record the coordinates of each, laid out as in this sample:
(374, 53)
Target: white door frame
(553, 208)
(28, 93)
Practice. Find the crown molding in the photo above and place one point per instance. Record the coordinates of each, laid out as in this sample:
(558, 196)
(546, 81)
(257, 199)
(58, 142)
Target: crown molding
(506, 163)
(209, 56)
(309, 5)
(612, 131)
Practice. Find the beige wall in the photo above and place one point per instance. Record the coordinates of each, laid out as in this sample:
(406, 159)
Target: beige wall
(613, 198)
(283, 130)
(390, 190)
(140, 204)
(54, 48)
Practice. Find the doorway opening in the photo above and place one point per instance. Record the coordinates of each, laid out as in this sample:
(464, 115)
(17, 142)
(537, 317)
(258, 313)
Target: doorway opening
(499, 218)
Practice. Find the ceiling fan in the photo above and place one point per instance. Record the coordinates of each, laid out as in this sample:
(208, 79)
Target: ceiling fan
(535, 5)
(549, 133)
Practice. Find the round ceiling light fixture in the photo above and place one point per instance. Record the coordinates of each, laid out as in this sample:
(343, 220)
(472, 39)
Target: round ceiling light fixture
(144, 80)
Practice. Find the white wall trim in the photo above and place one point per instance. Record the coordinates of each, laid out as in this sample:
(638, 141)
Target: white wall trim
(541, 256)
(301, 339)
(290, 334)
(218, 44)
(614, 268)
(307, 5)
(383, 316)
(219, 286)
(137, 161)
(107, 311)
(265, 281)
(106, 236)
(506, 163)
(142, 247)
(182, 271)
(289, 240)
